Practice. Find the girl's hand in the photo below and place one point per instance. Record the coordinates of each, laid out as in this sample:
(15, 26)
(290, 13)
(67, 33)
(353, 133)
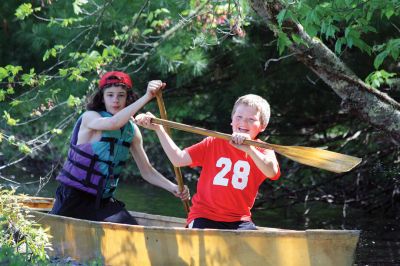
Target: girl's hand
(184, 195)
(154, 86)
(144, 120)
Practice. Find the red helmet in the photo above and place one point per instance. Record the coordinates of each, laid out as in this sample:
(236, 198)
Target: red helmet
(115, 77)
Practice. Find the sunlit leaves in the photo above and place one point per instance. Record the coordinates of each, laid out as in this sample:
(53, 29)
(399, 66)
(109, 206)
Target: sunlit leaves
(69, 21)
(347, 22)
(22, 147)
(126, 34)
(11, 139)
(77, 4)
(29, 79)
(3, 73)
(378, 78)
(56, 131)
(52, 52)
(9, 120)
(88, 62)
(73, 101)
(14, 103)
(25, 10)
(33, 241)
(147, 32)
(2, 95)
(10, 90)
(9, 72)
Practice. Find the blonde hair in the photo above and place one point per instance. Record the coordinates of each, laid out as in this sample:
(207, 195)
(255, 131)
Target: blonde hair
(257, 102)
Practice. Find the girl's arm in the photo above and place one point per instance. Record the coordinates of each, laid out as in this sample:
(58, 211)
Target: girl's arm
(97, 122)
(177, 156)
(148, 172)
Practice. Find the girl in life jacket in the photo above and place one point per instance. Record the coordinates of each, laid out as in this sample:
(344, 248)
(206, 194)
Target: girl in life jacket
(100, 144)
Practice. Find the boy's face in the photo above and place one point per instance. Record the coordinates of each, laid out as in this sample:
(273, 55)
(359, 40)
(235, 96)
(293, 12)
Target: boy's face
(246, 119)
(114, 99)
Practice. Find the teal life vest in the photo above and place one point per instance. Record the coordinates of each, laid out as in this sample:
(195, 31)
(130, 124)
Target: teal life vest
(95, 167)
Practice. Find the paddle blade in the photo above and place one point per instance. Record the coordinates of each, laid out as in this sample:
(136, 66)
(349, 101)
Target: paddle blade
(323, 159)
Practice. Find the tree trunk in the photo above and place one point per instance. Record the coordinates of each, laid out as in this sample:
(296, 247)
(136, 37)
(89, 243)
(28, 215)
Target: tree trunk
(373, 106)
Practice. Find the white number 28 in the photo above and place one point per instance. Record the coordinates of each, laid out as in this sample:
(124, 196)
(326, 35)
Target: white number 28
(240, 176)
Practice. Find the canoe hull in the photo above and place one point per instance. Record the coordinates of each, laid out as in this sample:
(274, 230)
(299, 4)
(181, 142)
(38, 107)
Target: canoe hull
(115, 244)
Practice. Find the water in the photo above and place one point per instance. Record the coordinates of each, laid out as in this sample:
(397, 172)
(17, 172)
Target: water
(379, 242)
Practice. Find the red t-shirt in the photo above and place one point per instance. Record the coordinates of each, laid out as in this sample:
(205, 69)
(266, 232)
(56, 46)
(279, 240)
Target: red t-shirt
(228, 183)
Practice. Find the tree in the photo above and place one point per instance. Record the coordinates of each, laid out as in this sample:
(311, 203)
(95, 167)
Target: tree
(302, 25)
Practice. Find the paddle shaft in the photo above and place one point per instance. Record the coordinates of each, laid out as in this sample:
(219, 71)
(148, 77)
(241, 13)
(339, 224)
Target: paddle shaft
(206, 132)
(177, 170)
(323, 159)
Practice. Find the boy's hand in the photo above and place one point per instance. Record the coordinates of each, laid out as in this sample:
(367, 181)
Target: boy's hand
(238, 139)
(144, 120)
(154, 86)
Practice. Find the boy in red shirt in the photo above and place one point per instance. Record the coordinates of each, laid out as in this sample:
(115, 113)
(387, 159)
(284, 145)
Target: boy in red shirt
(231, 171)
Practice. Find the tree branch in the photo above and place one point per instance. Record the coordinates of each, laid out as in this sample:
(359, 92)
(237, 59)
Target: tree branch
(371, 105)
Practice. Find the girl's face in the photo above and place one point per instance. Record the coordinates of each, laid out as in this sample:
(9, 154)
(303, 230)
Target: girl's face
(246, 119)
(114, 98)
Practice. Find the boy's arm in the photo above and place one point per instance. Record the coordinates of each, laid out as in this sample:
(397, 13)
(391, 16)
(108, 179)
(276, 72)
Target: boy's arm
(177, 156)
(148, 172)
(118, 120)
(266, 162)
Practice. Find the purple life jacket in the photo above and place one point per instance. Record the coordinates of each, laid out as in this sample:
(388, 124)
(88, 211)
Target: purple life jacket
(95, 167)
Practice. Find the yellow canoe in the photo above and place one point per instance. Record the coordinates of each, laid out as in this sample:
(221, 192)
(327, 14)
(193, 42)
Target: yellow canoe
(163, 240)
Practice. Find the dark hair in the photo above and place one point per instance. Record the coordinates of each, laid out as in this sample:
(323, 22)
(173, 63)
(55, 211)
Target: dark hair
(95, 101)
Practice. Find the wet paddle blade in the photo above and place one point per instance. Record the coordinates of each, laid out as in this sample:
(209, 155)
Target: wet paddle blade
(323, 159)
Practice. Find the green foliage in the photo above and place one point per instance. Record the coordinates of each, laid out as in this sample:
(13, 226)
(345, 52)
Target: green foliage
(20, 238)
(77, 5)
(8, 256)
(53, 52)
(378, 78)
(73, 101)
(348, 23)
(391, 48)
(9, 72)
(25, 10)
(10, 121)
(283, 42)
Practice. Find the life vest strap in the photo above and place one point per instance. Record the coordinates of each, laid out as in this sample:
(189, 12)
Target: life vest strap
(116, 141)
(98, 187)
(99, 193)
(70, 176)
(91, 168)
(90, 156)
(85, 168)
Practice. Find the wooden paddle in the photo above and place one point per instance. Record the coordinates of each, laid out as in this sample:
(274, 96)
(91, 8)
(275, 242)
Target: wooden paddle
(177, 170)
(323, 159)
